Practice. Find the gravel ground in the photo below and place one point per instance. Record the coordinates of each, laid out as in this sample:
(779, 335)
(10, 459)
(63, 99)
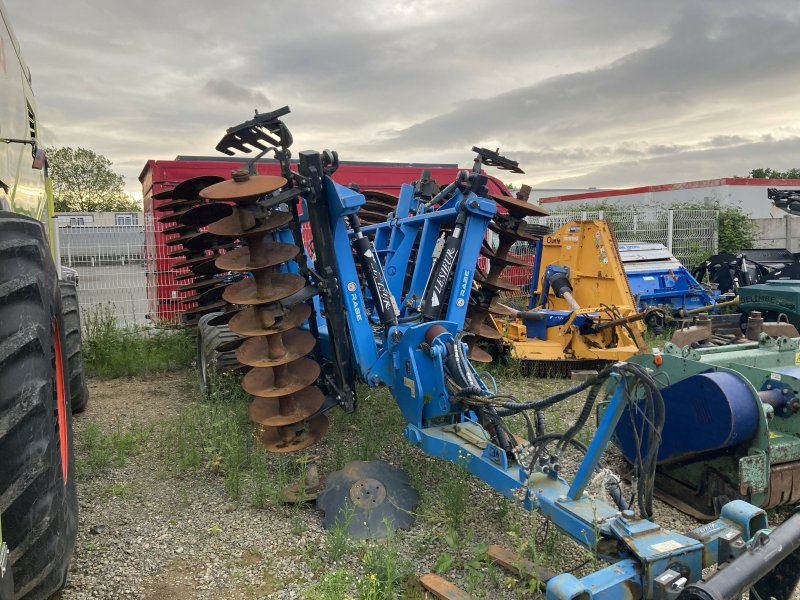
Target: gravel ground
(147, 531)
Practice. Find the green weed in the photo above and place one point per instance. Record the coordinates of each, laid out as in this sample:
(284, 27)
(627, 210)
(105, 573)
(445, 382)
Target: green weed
(98, 451)
(387, 571)
(331, 586)
(111, 351)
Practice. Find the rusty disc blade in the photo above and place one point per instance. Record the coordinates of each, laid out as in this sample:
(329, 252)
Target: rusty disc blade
(478, 354)
(184, 276)
(379, 196)
(282, 286)
(192, 261)
(204, 214)
(247, 322)
(229, 245)
(371, 217)
(248, 190)
(274, 253)
(203, 241)
(498, 308)
(519, 208)
(284, 410)
(179, 252)
(165, 193)
(207, 308)
(232, 227)
(199, 284)
(503, 261)
(224, 317)
(525, 233)
(211, 295)
(255, 351)
(260, 381)
(378, 207)
(179, 228)
(174, 217)
(178, 204)
(181, 239)
(292, 438)
(483, 329)
(496, 284)
(207, 266)
(189, 189)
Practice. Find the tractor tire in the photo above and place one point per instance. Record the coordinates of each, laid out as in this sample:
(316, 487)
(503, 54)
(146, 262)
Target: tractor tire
(37, 485)
(79, 391)
(211, 363)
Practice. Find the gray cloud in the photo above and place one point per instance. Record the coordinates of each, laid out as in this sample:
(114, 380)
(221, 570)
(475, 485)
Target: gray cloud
(566, 88)
(232, 92)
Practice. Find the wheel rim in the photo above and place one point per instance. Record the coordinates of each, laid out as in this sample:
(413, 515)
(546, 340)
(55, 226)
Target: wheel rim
(61, 403)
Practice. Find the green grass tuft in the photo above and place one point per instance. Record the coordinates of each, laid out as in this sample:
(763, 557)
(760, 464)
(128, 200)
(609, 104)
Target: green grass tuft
(111, 351)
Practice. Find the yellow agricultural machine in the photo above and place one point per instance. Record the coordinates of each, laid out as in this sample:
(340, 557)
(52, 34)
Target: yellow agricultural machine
(581, 311)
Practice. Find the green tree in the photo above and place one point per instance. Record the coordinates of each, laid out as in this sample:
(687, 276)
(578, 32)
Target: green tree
(767, 173)
(83, 181)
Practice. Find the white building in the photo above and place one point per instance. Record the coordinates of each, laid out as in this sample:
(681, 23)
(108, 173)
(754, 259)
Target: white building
(748, 194)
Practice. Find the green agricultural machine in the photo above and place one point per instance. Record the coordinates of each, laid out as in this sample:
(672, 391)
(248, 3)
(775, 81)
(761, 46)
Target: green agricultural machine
(732, 428)
(41, 365)
(773, 299)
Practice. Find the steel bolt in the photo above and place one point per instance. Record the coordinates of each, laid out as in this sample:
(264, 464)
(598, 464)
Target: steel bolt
(627, 515)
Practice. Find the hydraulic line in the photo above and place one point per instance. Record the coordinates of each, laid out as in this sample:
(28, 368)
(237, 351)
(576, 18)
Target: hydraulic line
(373, 273)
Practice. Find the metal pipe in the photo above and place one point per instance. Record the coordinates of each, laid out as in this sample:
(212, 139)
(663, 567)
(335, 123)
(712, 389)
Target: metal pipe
(763, 555)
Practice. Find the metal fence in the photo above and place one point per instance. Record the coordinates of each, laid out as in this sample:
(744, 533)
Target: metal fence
(110, 262)
(116, 263)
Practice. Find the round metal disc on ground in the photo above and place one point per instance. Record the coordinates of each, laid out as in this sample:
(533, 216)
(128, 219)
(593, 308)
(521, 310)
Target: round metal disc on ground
(292, 438)
(275, 253)
(285, 410)
(260, 381)
(368, 497)
(478, 354)
(174, 217)
(247, 322)
(207, 266)
(189, 189)
(519, 208)
(204, 214)
(192, 261)
(224, 317)
(165, 193)
(231, 226)
(250, 189)
(283, 285)
(255, 351)
(200, 284)
(496, 284)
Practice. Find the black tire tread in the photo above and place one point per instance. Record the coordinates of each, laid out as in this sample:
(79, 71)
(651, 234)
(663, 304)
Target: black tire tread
(79, 391)
(209, 337)
(39, 509)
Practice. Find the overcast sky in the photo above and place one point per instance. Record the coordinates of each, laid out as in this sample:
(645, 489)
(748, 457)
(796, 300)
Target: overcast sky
(581, 93)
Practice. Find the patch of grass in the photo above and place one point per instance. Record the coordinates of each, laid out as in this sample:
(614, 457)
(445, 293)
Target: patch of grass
(98, 451)
(114, 490)
(334, 585)
(111, 351)
(387, 571)
(337, 543)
